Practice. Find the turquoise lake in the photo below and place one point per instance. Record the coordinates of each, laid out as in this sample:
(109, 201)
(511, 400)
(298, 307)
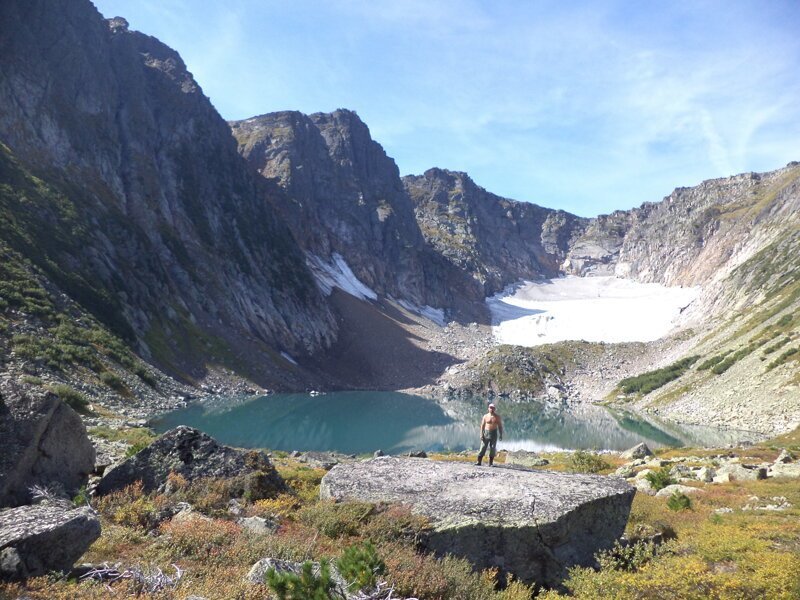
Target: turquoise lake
(363, 422)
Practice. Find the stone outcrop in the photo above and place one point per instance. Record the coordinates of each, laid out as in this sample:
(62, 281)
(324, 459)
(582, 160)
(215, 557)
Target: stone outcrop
(42, 538)
(496, 241)
(638, 451)
(523, 458)
(42, 442)
(194, 455)
(152, 221)
(534, 524)
(346, 205)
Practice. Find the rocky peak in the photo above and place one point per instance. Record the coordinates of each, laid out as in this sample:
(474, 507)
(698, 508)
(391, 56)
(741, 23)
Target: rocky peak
(345, 202)
(117, 25)
(496, 240)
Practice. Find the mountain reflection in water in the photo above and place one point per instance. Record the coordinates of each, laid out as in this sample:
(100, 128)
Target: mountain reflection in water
(362, 422)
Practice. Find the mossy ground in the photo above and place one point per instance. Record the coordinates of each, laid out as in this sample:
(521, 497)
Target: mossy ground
(736, 555)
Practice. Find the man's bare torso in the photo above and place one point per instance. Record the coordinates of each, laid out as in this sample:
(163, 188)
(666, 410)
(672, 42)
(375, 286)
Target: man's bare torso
(491, 421)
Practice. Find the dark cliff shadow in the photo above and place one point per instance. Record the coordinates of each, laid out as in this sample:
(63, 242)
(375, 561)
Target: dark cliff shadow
(376, 349)
(508, 312)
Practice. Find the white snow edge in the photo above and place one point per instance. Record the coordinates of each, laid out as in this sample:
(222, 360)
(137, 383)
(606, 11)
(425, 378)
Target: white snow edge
(338, 274)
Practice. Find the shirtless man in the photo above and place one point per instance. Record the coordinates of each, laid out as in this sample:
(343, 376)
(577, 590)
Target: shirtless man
(491, 426)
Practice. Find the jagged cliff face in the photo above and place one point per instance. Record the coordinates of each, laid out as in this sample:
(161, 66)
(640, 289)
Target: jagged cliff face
(162, 231)
(495, 240)
(344, 198)
(695, 235)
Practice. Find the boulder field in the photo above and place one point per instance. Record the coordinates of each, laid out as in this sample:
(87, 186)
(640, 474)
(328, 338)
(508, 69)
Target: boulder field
(533, 524)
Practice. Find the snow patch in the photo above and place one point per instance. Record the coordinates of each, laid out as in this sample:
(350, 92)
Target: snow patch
(289, 358)
(338, 274)
(434, 314)
(595, 309)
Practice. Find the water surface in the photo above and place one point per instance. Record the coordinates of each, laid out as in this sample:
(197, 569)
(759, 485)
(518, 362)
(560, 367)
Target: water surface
(362, 422)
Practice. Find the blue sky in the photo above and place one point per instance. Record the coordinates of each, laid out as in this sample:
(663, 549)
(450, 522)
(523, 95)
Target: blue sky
(585, 106)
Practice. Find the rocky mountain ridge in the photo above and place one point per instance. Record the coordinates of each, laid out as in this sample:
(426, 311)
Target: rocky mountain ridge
(142, 209)
(346, 205)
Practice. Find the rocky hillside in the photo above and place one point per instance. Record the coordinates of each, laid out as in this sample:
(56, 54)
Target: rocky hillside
(123, 185)
(495, 240)
(695, 235)
(346, 205)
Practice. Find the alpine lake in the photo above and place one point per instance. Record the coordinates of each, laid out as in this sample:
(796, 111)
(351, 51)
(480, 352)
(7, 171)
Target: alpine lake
(396, 423)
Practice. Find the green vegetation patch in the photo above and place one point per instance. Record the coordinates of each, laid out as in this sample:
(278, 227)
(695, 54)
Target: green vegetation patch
(652, 380)
(135, 436)
(71, 397)
(790, 354)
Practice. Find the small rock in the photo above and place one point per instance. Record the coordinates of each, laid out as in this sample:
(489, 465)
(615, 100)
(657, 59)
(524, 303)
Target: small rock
(625, 471)
(706, 474)
(677, 488)
(418, 454)
(724, 510)
(790, 470)
(738, 472)
(637, 452)
(642, 485)
(377, 453)
(524, 458)
(234, 508)
(776, 503)
(258, 525)
(785, 457)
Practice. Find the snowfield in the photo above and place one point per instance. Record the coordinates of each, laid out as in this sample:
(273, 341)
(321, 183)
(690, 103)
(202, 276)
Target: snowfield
(595, 309)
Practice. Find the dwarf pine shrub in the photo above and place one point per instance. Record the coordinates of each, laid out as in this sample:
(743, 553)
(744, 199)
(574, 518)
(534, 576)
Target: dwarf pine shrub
(360, 566)
(660, 479)
(652, 380)
(678, 502)
(305, 586)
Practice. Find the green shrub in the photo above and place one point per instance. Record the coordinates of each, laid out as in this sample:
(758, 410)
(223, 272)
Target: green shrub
(652, 380)
(336, 520)
(782, 358)
(582, 461)
(145, 375)
(305, 586)
(70, 397)
(726, 364)
(135, 449)
(360, 566)
(81, 498)
(630, 557)
(32, 380)
(113, 381)
(777, 345)
(678, 502)
(660, 479)
(707, 364)
(784, 320)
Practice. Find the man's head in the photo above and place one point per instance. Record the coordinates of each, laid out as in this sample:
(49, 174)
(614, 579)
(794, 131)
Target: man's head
(491, 408)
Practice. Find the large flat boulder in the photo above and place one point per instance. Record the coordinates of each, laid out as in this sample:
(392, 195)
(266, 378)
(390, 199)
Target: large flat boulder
(194, 455)
(42, 442)
(42, 538)
(534, 524)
